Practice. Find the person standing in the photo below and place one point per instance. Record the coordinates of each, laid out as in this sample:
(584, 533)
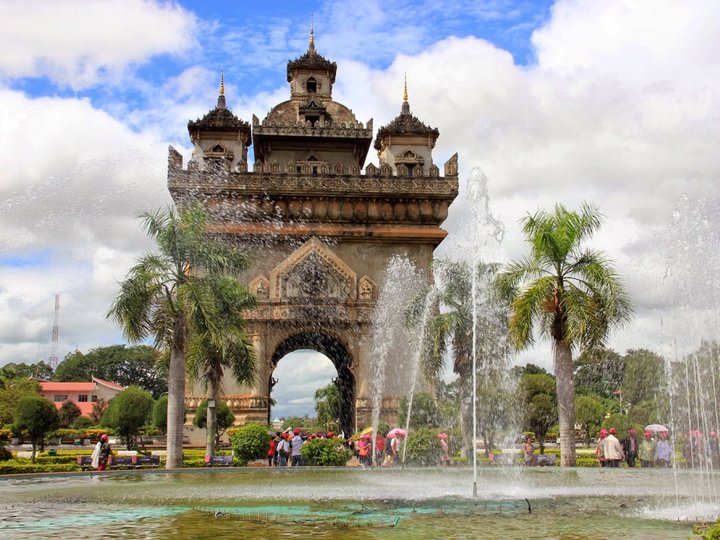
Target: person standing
(630, 447)
(102, 452)
(529, 451)
(296, 445)
(646, 453)
(612, 449)
(283, 450)
(663, 451)
(445, 449)
(599, 454)
(272, 451)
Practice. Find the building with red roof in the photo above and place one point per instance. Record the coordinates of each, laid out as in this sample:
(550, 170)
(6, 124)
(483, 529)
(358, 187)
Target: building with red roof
(83, 394)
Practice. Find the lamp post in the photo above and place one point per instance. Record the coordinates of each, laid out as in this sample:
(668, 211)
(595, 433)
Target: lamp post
(210, 424)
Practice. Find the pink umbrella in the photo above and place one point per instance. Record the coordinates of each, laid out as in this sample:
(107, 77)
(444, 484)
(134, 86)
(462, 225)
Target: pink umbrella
(397, 432)
(656, 428)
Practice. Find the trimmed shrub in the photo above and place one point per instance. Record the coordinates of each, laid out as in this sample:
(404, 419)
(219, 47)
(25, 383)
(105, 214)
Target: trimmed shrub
(250, 442)
(16, 467)
(423, 448)
(325, 452)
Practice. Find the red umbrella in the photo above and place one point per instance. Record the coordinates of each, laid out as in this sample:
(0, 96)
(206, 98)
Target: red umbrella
(397, 432)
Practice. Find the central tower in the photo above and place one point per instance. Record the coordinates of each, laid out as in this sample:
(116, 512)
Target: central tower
(319, 230)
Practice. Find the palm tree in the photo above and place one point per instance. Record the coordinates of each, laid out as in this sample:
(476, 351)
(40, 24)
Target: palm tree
(220, 342)
(451, 327)
(166, 294)
(566, 293)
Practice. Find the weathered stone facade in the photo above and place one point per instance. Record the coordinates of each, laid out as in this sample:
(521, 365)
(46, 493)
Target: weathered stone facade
(319, 230)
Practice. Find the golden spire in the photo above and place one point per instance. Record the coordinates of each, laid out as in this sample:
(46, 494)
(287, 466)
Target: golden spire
(221, 103)
(405, 105)
(311, 47)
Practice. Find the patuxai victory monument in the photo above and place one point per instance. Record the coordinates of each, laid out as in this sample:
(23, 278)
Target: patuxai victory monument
(319, 224)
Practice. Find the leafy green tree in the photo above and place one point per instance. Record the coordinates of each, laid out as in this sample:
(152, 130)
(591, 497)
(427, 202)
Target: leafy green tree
(129, 411)
(540, 405)
(220, 344)
(164, 297)
(424, 411)
(12, 393)
(139, 365)
(571, 295)
(589, 413)
(599, 372)
(38, 416)
(223, 416)
(159, 414)
(68, 413)
(327, 406)
(39, 370)
(644, 378)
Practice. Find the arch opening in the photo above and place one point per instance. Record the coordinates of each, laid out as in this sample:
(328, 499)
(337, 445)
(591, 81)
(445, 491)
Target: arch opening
(334, 350)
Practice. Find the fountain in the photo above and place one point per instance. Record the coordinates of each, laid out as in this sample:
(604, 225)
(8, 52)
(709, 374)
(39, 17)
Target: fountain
(380, 503)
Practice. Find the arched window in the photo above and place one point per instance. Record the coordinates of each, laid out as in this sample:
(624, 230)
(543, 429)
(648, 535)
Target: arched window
(311, 85)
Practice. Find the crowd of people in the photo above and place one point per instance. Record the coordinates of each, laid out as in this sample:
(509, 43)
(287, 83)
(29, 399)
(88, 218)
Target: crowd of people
(655, 449)
(284, 448)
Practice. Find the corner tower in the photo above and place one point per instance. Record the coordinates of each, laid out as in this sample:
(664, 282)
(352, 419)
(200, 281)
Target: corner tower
(319, 229)
(406, 144)
(220, 139)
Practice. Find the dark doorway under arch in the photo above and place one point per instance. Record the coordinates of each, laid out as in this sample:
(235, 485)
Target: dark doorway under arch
(338, 354)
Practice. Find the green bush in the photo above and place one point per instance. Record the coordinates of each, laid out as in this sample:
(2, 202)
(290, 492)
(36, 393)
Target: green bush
(325, 452)
(82, 423)
(249, 442)
(423, 448)
(17, 467)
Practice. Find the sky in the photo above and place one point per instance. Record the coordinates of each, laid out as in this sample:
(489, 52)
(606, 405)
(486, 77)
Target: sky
(612, 102)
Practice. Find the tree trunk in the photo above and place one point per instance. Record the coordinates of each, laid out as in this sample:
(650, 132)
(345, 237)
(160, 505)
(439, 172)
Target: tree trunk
(211, 419)
(176, 397)
(566, 402)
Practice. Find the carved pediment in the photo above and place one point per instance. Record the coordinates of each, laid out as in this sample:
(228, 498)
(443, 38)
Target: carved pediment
(313, 274)
(260, 287)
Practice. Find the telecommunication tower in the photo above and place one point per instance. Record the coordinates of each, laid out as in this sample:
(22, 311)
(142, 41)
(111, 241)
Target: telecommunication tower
(53, 360)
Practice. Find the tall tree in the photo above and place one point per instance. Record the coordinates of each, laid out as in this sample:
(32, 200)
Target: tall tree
(166, 293)
(38, 416)
(39, 370)
(219, 343)
(540, 405)
(139, 365)
(570, 294)
(327, 406)
(451, 327)
(129, 411)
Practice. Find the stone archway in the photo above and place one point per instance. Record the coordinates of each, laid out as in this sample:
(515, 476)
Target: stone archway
(319, 230)
(333, 348)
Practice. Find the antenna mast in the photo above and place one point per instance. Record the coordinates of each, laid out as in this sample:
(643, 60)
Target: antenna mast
(53, 360)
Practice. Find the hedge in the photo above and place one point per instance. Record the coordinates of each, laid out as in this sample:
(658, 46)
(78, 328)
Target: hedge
(325, 452)
(17, 467)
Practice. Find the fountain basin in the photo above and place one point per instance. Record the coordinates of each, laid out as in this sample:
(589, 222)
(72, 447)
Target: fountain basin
(354, 503)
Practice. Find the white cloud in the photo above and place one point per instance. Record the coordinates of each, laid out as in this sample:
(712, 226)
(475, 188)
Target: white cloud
(79, 43)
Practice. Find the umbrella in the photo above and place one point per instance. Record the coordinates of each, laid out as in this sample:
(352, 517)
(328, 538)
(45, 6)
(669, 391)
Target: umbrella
(656, 428)
(366, 431)
(395, 432)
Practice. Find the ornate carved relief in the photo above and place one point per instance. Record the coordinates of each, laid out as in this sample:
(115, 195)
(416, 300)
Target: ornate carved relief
(367, 289)
(260, 287)
(312, 274)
